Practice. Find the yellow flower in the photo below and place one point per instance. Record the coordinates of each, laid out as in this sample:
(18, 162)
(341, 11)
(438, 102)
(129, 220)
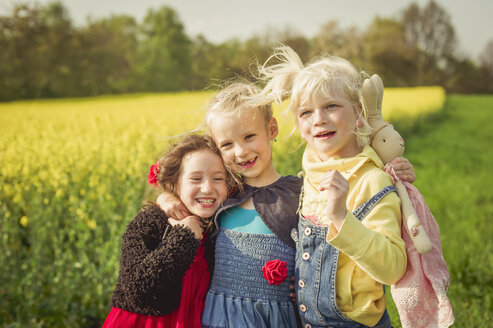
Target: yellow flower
(24, 221)
(91, 224)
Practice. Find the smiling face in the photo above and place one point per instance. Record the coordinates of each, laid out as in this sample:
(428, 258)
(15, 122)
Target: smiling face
(244, 142)
(201, 185)
(327, 123)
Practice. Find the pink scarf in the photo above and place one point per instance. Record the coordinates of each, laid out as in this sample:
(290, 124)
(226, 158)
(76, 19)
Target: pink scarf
(421, 294)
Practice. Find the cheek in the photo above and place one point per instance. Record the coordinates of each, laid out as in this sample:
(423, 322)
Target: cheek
(188, 191)
(302, 128)
(222, 192)
(228, 157)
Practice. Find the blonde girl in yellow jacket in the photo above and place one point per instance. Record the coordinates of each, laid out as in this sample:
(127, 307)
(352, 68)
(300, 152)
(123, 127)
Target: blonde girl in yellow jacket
(349, 241)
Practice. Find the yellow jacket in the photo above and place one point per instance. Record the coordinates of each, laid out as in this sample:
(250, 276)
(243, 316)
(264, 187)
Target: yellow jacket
(372, 251)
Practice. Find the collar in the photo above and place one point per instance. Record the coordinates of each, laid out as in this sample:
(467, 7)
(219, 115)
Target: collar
(315, 168)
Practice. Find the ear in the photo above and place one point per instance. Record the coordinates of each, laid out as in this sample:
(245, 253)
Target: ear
(273, 128)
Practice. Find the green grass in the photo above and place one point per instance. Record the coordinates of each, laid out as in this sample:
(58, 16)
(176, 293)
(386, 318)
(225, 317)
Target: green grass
(452, 155)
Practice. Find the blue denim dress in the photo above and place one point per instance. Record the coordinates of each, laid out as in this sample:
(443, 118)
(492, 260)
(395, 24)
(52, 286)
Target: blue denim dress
(239, 295)
(315, 273)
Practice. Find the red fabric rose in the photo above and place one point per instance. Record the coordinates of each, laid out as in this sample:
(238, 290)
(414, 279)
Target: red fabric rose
(152, 178)
(275, 271)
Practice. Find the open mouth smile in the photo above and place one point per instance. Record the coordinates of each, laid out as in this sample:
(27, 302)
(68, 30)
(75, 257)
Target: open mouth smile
(325, 135)
(206, 201)
(248, 164)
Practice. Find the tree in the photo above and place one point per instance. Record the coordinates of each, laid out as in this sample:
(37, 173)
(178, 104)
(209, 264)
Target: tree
(57, 53)
(20, 38)
(36, 52)
(212, 63)
(164, 62)
(335, 40)
(486, 62)
(463, 76)
(430, 31)
(295, 40)
(107, 55)
(388, 54)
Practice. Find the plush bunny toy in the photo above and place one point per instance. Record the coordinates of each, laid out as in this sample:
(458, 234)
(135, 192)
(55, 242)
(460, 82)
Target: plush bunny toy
(388, 144)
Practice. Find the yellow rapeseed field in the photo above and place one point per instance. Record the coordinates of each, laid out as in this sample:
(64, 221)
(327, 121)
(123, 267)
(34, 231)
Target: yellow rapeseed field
(57, 144)
(73, 173)
(411, 102)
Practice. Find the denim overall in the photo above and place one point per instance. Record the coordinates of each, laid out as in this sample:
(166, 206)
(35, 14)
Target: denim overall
(239, 295)
(315, 273)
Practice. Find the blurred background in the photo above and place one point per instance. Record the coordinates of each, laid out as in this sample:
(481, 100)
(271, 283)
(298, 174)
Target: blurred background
(79, 48)
(89, 88)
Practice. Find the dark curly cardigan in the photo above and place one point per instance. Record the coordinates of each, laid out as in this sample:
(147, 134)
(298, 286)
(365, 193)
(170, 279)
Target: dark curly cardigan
(153, 263)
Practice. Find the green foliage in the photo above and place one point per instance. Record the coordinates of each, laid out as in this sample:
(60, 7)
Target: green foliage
(45, 56)
(164, 52)
(389, 55)
(108, 50)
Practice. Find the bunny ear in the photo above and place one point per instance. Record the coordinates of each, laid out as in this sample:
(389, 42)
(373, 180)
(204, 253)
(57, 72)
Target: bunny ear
(372, 92)
(377, 81)
(369, 92)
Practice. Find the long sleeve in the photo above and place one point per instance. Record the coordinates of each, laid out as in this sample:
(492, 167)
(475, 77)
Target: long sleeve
(371, 251)
(151, 268)
(375, 244)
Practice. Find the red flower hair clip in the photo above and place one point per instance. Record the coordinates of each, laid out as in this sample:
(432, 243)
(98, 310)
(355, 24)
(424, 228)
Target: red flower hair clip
(152, 178)
(275, 271)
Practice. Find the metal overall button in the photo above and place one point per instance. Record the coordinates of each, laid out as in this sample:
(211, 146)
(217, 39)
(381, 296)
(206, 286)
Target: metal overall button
(301, 283)
(308, 231)
(302, 308)
(306, 256)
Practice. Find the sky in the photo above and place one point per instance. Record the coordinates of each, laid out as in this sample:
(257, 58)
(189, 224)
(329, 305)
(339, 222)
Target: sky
(219, 20)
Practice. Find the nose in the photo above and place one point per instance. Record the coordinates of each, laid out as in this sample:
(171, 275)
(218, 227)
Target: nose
(318, 116)
(240, 151)
(206, 187)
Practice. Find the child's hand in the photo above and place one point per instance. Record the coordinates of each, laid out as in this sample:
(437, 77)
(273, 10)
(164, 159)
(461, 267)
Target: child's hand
(172, 206)
(192, 222)
(403, 169)
(337, 189)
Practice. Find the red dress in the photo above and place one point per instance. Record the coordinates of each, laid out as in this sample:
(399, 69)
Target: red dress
(194, 288)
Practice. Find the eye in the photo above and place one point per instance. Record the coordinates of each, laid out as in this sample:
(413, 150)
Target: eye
(249, 136)
(226, 145)
(305, 113)
(384, 140)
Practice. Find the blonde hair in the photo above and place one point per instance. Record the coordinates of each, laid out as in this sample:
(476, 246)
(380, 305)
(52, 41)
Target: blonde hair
(237, 98)
(326, 76)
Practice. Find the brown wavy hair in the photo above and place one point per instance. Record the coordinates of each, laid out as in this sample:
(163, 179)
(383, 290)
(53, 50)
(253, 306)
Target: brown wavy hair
(170, 163)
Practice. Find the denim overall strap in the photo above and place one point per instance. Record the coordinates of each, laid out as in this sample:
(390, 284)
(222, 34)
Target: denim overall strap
(365, 208)
(315, 273)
